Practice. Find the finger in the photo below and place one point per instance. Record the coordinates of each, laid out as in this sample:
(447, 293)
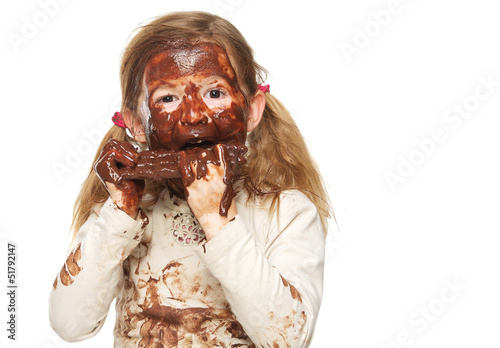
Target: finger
(227, 163)
(222, 152)
(128, 154)
(194, 169)
(106, 168)
(113, 157)
(125, 154)
(240, 153)
(203, 158)
(185, 169)
(154, 164)
(124, 159)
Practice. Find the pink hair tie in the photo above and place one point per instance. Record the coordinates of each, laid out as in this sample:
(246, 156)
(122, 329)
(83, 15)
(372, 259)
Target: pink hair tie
(265, 88)
(118, 119)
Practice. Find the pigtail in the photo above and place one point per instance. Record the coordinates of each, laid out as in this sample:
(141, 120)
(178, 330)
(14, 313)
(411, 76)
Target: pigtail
(93, 191)
(279, 160)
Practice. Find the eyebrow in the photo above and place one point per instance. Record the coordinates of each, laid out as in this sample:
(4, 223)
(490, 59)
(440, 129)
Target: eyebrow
(221, 80)
(217, 80)
(163, 85)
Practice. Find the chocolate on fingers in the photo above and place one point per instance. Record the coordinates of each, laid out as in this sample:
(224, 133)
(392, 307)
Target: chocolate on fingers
(153, 164)
(166, 164)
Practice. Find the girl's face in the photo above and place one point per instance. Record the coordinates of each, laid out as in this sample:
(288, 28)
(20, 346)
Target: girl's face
(192, 98)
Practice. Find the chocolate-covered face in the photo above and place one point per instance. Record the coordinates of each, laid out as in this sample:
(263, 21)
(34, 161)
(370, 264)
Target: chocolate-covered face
(192, 99)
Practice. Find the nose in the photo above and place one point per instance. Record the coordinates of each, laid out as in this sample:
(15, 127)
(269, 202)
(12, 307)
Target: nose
(194, 111)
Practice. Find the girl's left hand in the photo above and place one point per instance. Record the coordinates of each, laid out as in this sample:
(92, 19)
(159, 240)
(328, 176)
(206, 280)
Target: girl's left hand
(204, 195)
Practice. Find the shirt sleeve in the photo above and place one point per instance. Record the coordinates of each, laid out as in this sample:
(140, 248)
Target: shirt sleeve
(274, 288)
(92, 275)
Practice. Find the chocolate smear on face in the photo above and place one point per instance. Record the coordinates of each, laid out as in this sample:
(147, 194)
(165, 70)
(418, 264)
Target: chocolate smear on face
(211, 109)
(184, 71)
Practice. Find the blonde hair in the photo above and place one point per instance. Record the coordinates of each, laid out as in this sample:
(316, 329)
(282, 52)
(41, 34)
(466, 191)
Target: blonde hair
(278, 158)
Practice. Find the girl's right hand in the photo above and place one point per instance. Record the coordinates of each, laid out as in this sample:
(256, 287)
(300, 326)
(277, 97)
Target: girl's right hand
(126, 194)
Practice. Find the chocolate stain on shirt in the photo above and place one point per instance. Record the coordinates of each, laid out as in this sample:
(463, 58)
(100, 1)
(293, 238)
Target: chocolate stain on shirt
(71, 268)
(172, 301)
(159, 324)
(167, 325)
(295, 294)
(287, 327)
(171, 264)
(144, 218)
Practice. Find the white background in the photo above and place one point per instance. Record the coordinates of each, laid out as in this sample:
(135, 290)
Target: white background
(396, 249)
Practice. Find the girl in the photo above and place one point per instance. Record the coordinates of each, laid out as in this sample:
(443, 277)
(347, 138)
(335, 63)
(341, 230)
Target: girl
(205, 237)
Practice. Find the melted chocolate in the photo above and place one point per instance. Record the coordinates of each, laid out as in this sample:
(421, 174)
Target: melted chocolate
(186, 76)
(192, 101)
(168, 164)
(193, 98)
(114, 156)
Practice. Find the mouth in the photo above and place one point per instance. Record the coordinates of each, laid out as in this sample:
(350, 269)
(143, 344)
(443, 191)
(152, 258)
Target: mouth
(203, 143)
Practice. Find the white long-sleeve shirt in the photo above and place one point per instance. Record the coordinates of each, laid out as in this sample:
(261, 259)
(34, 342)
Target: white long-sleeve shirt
(257, 283)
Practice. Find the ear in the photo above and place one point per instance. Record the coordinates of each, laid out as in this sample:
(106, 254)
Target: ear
(257, 106)
(135, 126)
